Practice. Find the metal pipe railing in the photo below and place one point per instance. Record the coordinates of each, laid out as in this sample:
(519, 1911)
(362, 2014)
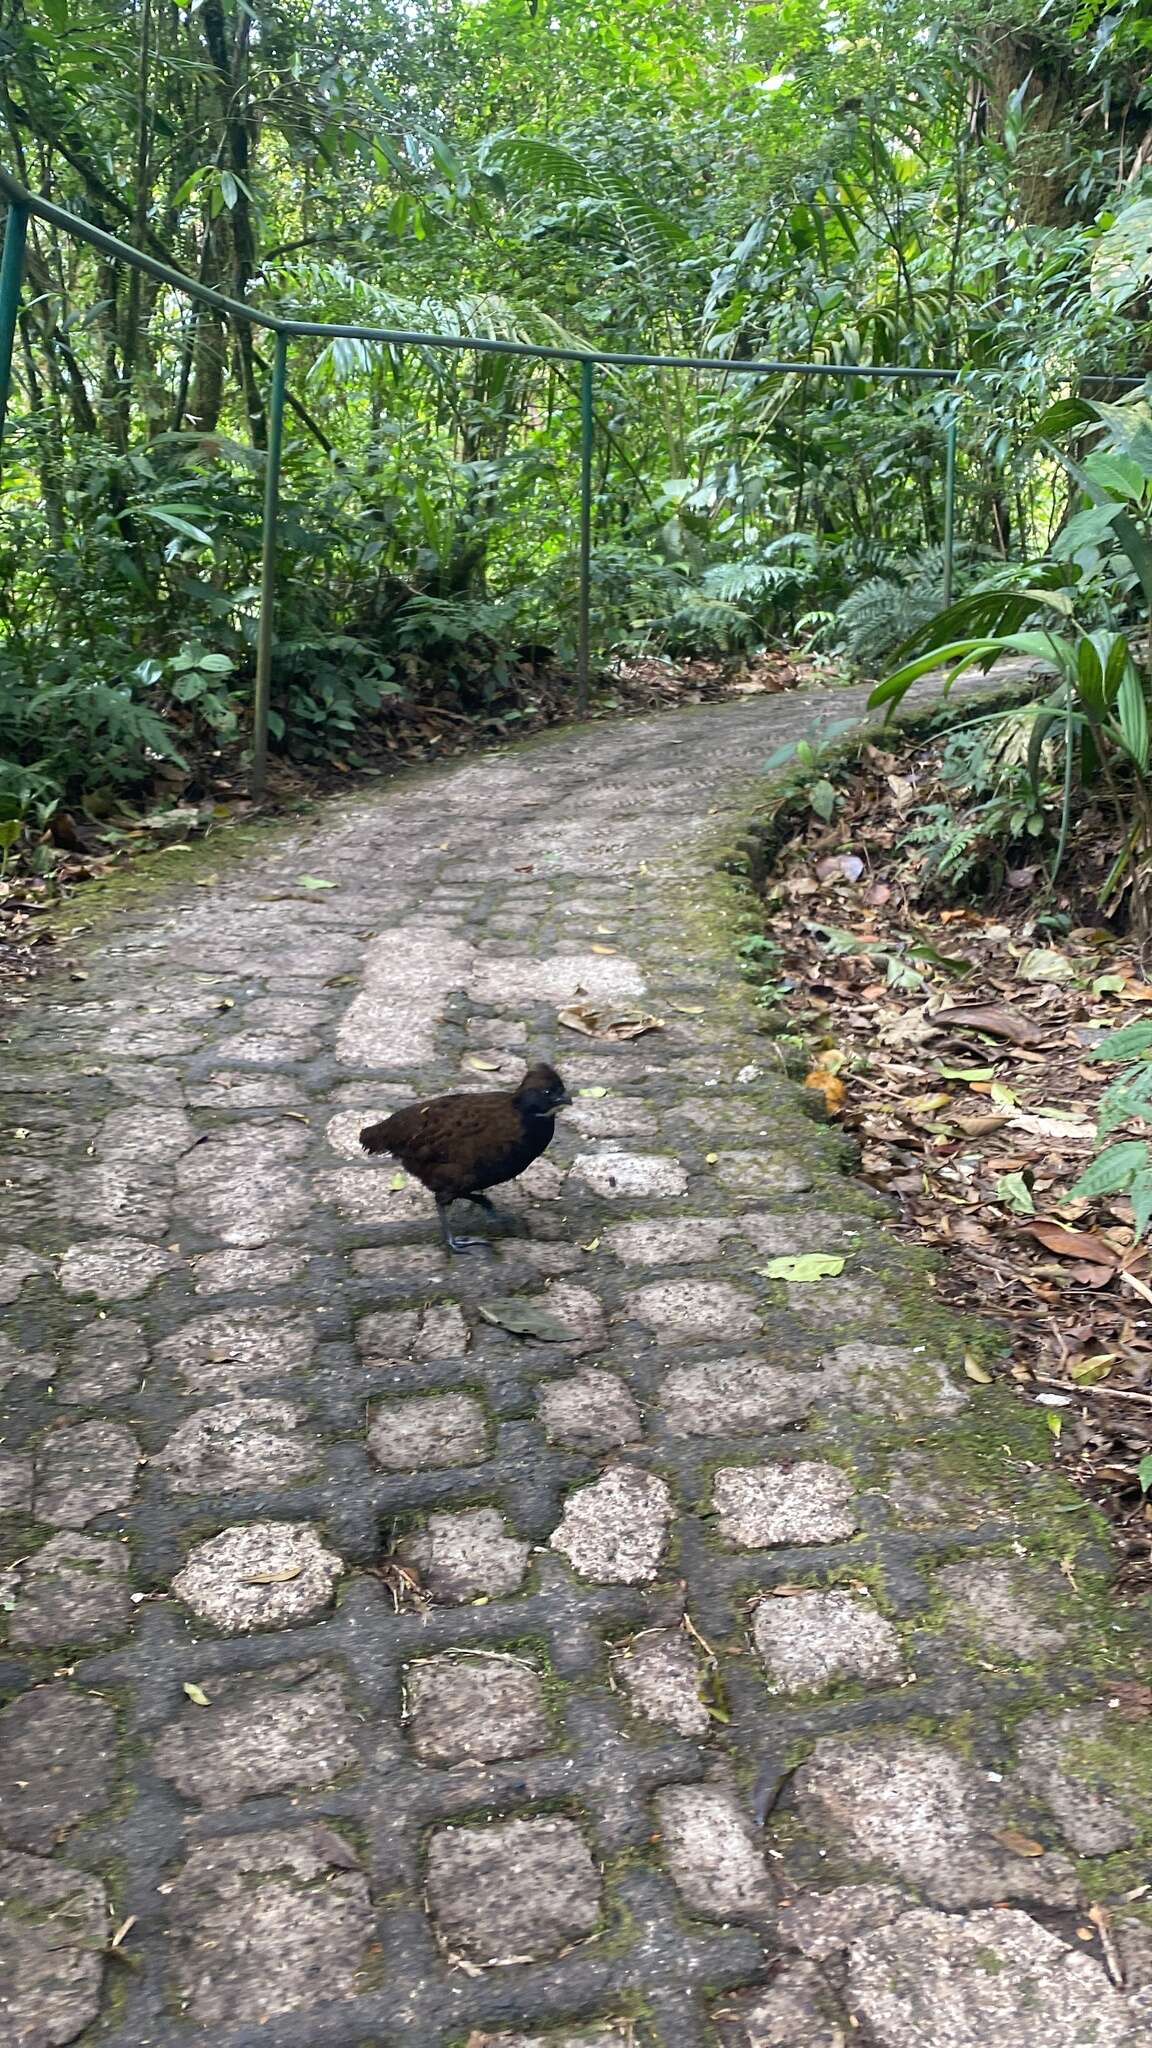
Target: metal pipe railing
(23, 205)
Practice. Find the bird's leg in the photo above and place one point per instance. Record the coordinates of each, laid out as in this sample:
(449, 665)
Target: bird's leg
(451, 1241)
(498, 1215)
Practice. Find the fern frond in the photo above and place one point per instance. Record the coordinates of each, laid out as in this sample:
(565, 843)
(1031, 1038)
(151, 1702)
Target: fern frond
(652, 234)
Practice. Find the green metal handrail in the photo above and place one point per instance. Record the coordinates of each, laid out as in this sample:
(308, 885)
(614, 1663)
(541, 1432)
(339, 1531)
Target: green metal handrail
(24, 205)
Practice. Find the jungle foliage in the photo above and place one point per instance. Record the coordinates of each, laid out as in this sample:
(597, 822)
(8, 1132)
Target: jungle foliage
(872, 181)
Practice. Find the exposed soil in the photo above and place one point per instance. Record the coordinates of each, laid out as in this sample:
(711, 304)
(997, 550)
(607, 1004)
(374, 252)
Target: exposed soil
(954, 1038)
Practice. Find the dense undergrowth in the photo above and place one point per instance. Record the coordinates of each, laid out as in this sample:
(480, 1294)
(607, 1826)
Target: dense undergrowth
(878, 183)
(982, 1029)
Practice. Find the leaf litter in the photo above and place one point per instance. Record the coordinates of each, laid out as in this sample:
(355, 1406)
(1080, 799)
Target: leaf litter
(953, 1037)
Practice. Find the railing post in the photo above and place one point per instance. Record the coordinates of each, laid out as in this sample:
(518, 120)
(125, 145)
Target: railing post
(11, 279)
(263, 698)
(949, 507)
(586, 374)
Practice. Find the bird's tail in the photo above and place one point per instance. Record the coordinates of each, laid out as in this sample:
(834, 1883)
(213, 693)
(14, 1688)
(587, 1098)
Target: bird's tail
(375, 1137)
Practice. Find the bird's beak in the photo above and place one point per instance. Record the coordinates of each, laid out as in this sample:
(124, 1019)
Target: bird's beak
(564, 1101)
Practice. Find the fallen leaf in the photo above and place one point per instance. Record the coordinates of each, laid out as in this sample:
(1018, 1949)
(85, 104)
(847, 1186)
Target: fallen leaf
(1072, 1244)
(591, 1094)
(613, 950)
(994, 1019)
(398, 1182)
(593, 1245)
(1045, 964)
(1018, 1844)
(601, 1020)
(527, 1319)
(1088, 1371)
(847, 867)
(829, 1085)
(1014, 1189)
(315, 882)
(805, 1266)
(976, 1371)
(198, 1697)
(480, 1065)
(1073, 1129)
(275, 1578)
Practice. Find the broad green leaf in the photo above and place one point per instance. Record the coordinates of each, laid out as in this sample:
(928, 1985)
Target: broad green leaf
(1122, 258)
(1013, 1189)
(315, 882)
(1137, 549)
(165, 515)
(1090, 675)
(895, 686)
(1144, 1473)
(1132, 712)
(1086, 529)
(822, 798)
(805, 1266)
(1117, 474)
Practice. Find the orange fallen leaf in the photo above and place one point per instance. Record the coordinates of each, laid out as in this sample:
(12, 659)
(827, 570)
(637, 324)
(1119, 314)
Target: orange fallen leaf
(1018, 1844)
(830, 1086)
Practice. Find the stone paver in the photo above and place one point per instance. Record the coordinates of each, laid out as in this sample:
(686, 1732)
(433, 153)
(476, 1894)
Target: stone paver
(809, 1641)
(513, 1893)
(483, 1706)
(735, 1673)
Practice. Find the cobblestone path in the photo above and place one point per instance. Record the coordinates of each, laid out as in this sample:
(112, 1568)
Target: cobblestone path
(735, 1670)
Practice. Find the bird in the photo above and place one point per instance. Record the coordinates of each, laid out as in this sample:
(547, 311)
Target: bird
(458, 1145)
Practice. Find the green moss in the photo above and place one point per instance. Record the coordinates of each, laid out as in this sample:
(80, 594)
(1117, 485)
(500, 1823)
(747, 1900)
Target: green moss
(1117, 1764)
(992, 1964)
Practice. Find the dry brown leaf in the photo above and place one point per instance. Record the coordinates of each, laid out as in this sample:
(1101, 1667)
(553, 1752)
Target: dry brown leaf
(1057, 1129)
(975, 1370)
(1072, 1244)
(995, 1019)
(605, 1020)
(275, 1578)
(1018, 1844)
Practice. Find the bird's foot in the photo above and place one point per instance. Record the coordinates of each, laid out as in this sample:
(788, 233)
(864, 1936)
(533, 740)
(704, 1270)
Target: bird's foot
(468, 1244)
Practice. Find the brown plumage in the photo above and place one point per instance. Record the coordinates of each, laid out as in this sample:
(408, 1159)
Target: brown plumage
(458, 1145)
